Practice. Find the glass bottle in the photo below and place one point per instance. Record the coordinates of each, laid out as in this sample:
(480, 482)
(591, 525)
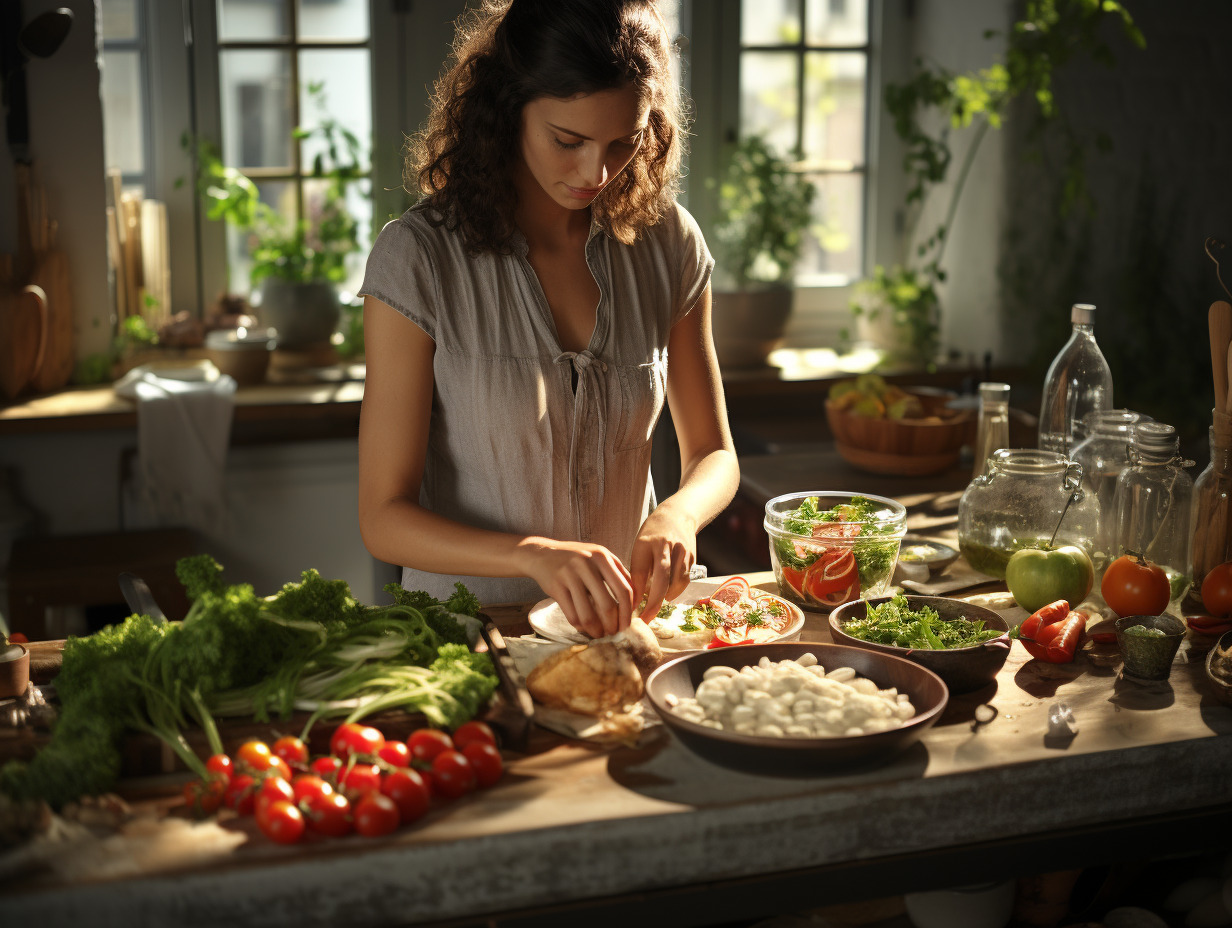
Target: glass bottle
(1154, 505)
(1024, 498)
(1078, 383)
(1212, 509)
(1103, 454)
(993, 431)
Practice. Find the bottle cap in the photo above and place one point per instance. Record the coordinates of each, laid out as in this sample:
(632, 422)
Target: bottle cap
(1082, 314)
(1155, 437)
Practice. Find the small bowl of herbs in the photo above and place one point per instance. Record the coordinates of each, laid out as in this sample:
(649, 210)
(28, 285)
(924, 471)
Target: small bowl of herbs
(964, 644)
(829, 548)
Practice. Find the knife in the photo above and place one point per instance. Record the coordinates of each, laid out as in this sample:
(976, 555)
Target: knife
(515, 722)
(139, 598)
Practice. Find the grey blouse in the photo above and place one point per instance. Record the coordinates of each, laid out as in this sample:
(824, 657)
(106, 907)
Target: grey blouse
(511, 446)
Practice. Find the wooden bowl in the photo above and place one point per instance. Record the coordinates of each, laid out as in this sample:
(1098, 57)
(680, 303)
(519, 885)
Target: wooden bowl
(793, 756)
(962, 669)
(15, 673)
(904, 447)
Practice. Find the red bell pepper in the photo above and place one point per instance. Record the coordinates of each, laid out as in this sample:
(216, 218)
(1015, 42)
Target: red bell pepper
(1052, 633)
(1202, 624)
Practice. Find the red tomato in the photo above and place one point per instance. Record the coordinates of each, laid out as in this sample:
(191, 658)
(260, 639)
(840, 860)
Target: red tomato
(254, 755)
(1133, 585)
(486, 761)
(329, 814)
(18, 638)
(409, 791)
(203, 797)
(361, 778)
(474, 730)
(426, 743)
(282, 822)
(291, 749)
(241, 794)
(220, 764)
(352, 738)
(307, 786)
(833, 579)
(395, 753)
(452, 775)
(271, 790)
(1217, 590)
(725, 637)
(279, 766)
(327, 768)
(376, 815)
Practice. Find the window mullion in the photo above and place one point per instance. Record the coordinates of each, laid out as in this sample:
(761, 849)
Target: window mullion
(297, 166)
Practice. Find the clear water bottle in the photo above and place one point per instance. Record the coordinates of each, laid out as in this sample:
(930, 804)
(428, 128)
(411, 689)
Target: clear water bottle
(1078, 383)
(1104, 454)
(1154, 505)
(993, 431)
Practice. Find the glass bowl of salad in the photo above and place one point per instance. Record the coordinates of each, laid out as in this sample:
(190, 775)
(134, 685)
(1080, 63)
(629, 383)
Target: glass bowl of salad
(828, 548)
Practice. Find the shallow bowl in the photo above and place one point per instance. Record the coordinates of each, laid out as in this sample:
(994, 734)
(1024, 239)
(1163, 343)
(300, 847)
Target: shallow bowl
(903, 447)
(1219, 686)
(962, 669)
(776, 756)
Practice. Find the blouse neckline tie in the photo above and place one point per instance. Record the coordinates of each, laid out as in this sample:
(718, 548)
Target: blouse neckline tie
(589, 400)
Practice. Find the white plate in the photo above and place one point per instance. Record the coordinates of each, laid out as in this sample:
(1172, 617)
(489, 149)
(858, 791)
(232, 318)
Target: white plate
(548, 619)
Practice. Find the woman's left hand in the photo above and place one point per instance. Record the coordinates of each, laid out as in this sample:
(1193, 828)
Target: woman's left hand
(663, 553)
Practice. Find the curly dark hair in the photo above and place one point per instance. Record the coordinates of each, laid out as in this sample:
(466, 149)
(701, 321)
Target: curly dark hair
(507, 54)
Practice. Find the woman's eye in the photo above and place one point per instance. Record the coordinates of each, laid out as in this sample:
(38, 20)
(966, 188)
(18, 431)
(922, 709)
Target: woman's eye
(566, 145)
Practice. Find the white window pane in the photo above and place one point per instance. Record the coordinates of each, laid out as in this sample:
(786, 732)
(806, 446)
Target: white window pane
(832, 247)
(834, 107)
(346, 92)
(768, 82)
(118, 20)
(770, 22)
(253, 20)
(256, 108)
(123, 126)
(333, 19)
(836, 22)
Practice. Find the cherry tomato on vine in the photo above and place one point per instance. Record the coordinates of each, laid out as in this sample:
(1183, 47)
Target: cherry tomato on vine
(203, 797)
(472, 731)
(271, 790)
(329, 814)
(452, 775)
(255, 755)
(395, 753)
(241, 794)
(409, 791)
(306, 786)
(1217, 590)
(281, 822)
(486, 761)
(376, 815)
(220, 764)
(352, 738)
(361, 778)
(427, 743)
(279, 766)
(327, 768)
(1133, 585)
(291, 749)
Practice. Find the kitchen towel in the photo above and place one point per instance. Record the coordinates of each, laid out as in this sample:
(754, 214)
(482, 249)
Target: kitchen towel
(183, 432)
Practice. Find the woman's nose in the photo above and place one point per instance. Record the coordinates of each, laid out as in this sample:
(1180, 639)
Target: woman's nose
(594, 169)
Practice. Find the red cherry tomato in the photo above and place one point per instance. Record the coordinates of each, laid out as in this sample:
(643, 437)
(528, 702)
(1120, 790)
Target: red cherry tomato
(409, 791)
(452, 775)
(472, 731)
(352, 738)
(427, 743)
(307, 785)
(291, 749)
(203, 797)
(1133, 585)
(395, 753)
(327, 768)
(241, 794)
(330, 814)
(486, 761)
(1217, 590)
(253, 757)
(279, 766)
(271, 790)
(360, 779)
(282, 822)
(376, 815)
(220, 764)
(18, 638)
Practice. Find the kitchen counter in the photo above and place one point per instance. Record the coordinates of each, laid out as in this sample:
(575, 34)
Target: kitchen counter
(650, 833)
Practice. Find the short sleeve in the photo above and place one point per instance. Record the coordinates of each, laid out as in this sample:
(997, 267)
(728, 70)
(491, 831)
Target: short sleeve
(400, 273)
(694, 263)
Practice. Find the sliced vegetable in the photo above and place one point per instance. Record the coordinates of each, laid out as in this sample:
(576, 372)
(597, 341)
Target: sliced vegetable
(1052, 634)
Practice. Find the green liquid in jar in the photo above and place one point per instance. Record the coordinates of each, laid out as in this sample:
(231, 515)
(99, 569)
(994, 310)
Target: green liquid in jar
(992, 560)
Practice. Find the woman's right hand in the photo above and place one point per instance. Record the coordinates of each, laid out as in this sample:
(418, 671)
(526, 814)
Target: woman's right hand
(590, 583)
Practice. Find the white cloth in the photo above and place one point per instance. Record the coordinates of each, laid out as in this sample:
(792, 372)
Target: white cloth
(183, 432)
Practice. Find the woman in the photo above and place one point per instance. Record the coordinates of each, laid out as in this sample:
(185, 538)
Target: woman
(519, 321)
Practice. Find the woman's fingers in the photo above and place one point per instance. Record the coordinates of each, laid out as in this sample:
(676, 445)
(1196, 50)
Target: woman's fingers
(659, 583)
(578, 610)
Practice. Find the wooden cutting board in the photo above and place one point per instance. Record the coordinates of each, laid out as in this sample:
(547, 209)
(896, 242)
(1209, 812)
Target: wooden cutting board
(51, 274)
(23, 327)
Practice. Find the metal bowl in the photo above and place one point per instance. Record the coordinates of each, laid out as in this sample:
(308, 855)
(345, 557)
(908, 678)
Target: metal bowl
(767, 755)
(962, 669)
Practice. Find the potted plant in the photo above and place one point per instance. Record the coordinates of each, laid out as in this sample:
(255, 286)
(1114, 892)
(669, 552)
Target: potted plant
(297, 264)
(900, 307)
(764, 210)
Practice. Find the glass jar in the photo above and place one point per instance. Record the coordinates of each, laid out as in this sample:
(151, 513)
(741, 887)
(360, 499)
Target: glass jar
(1212, 510)
(1026, 499)
(1154, 505)
(993, 431)
(1103, 455)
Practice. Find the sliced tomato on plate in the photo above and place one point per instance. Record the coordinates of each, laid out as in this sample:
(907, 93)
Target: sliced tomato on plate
(728, 635)
(731, 591)
(761, 634)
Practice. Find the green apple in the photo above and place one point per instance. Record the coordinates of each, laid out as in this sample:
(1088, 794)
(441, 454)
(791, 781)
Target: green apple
(1039, 576)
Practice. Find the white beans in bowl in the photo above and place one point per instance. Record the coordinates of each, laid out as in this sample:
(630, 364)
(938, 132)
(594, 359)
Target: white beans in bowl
(793, 699)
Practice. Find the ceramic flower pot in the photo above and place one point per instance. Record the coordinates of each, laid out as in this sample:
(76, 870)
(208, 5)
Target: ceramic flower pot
(304, 314)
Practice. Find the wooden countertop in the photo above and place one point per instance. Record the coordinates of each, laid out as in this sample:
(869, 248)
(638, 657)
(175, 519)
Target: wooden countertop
(650, 833)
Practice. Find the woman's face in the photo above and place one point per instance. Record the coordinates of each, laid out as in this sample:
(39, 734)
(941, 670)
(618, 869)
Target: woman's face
(572, 148)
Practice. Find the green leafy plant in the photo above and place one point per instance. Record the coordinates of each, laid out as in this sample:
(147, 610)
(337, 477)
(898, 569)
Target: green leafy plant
(1049, 34)
(313, 248)
(764, 210)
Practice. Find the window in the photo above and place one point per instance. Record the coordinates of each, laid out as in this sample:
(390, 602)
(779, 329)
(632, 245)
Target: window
(126, 132)
(803, 85)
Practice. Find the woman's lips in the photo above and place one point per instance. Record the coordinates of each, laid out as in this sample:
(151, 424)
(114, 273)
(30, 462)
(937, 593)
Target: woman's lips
(583, 193)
